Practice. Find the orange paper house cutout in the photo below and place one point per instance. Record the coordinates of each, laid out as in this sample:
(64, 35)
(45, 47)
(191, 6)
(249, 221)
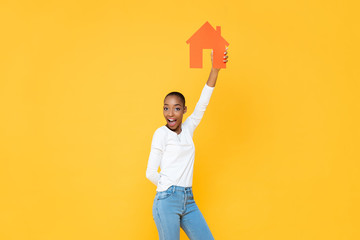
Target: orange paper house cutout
(207, 38)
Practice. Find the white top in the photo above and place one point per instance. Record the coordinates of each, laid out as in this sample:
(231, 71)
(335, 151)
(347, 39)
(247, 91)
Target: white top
(175, 153)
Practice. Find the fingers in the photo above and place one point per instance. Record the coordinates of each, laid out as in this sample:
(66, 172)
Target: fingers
(225, 60)
(226, 56)
(225, 53)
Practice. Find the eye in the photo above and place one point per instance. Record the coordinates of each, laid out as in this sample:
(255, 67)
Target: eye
(165, 108)
(177, 109)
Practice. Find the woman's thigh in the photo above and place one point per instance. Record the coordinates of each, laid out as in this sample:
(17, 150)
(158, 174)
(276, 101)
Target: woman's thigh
(193, 223)
(166, 214)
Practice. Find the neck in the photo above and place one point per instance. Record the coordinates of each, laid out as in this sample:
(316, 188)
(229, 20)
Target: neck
(177, 130)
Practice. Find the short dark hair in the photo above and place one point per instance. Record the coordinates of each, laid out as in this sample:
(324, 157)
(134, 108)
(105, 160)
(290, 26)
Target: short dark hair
(182, 98)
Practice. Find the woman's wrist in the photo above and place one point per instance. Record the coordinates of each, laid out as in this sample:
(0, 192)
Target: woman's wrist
(212, 77)
(215, 70)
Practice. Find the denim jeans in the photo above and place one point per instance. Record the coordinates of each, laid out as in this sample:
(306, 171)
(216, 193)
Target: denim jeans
(175, 208)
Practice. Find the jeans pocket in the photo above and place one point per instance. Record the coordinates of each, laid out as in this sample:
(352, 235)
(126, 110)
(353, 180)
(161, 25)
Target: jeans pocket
(164, 194)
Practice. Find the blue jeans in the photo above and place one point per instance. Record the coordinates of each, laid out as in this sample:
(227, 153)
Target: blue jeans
(175, 208)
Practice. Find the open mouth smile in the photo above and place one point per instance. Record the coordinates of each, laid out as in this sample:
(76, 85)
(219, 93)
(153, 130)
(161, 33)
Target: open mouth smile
(171, 122)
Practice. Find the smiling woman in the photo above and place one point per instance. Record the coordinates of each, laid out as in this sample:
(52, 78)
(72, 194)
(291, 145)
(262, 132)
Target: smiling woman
(174, 108)
(173, 149)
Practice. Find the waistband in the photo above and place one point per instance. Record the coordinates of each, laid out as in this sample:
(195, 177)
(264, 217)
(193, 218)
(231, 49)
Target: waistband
(174, 188)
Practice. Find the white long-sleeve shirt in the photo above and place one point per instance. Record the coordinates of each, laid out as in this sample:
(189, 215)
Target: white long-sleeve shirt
(175, 153)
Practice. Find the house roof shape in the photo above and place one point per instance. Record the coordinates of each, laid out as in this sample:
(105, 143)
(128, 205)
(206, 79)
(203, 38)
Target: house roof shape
(206, 33)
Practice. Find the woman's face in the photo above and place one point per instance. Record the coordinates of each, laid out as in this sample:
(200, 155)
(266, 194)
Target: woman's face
(173, 112)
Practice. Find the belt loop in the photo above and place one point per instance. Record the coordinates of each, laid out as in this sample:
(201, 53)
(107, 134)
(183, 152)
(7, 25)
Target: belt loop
(173, 188)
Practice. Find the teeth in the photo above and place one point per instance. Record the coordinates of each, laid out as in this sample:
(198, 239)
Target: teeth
(171, 120)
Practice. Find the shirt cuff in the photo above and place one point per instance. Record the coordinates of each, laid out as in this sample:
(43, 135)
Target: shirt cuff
(206, 93)
(207, 86)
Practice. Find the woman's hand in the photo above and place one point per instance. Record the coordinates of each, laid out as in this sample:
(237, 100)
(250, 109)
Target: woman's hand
(224, 60)
(214, 71)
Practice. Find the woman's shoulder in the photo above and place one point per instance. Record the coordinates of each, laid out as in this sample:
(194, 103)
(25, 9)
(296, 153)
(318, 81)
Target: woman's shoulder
(161, 131)
(160, 135)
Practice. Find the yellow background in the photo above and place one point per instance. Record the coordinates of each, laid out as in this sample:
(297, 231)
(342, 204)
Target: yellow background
(81, 91)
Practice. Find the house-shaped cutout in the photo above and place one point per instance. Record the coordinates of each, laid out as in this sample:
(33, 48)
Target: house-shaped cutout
(207, 38)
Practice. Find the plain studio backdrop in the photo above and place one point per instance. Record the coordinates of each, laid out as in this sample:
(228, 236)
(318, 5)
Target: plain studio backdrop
(81, 92)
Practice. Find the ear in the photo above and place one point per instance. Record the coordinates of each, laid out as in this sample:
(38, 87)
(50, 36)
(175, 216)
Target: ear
(185, 109)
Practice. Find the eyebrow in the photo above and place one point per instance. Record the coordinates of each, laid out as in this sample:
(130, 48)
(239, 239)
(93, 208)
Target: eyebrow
(174, 105)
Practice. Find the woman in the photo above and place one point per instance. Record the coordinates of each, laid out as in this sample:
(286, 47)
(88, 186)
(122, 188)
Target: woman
(173, 149)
